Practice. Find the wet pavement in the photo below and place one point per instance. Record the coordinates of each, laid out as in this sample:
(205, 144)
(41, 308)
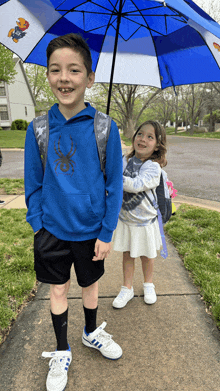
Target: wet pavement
(193, 166)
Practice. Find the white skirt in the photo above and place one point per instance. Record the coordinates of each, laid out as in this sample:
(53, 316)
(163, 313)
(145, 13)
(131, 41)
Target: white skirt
(139, 241)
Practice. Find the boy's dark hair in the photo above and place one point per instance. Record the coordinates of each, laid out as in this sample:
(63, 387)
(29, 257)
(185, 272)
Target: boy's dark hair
(72, 41)
(160, 133)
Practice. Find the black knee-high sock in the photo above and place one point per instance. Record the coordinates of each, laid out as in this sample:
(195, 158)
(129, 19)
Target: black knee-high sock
(60, 328)
(90, 319)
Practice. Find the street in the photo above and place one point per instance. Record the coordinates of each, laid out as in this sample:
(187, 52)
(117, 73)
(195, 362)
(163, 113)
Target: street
(193, 166)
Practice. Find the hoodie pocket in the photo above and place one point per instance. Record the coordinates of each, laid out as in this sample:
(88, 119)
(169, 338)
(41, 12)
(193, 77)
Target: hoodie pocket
(71, 212)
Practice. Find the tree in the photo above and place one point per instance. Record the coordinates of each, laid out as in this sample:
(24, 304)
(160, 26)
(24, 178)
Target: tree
(193, 98)
(7, 65)
(163, 106)
(212, 8)
(40, 87)
(128, 103)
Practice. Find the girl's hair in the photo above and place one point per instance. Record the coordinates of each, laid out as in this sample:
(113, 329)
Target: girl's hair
(158, 156)
(74, 42)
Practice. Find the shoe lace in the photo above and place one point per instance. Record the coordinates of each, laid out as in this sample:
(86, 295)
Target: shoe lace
(57, 362)
(104, 338)
(56, 366)
(121, 294)
(149, 289)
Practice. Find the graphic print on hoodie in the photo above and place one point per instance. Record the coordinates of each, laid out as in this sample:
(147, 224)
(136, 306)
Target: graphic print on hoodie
(69, 198)
(64, 162)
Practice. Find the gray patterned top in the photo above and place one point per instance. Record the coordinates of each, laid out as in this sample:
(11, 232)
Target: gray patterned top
(138, 179)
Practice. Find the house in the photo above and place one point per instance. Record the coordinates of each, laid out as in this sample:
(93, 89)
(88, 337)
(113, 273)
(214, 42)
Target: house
(16, 99)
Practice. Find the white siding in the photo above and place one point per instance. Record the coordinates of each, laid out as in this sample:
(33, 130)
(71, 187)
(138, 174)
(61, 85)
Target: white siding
(20, 97)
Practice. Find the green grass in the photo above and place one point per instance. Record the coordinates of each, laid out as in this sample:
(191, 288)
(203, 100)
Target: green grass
(16, 138)
(126, 140)
(12, 138)
(195, 232)
(11, 186)
(17, 275)
(215, 135)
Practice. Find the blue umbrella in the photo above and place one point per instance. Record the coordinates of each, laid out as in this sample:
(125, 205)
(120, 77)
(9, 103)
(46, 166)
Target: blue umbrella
(156, 43)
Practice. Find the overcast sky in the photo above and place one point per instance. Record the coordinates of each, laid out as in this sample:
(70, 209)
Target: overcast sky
(212, 7)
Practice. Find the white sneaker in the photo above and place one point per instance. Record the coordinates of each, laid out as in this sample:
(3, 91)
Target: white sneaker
(103, 342)
(58, 368)
(123, 297)
(150, 296)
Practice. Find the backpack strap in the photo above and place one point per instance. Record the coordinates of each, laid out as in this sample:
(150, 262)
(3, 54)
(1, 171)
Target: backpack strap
(41, 131)
(102, 126)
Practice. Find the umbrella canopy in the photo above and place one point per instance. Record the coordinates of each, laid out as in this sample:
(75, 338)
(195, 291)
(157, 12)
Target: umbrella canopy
(155, 43)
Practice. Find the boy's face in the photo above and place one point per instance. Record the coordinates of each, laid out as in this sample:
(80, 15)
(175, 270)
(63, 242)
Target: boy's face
(68, 79)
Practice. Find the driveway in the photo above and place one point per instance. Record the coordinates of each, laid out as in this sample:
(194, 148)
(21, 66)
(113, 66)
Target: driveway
(193, 166)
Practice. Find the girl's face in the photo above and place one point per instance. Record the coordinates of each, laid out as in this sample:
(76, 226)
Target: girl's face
(145, 142)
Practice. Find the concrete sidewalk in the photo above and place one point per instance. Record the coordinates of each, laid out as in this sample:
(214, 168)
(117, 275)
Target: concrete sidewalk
(172, 345)
(18, 202)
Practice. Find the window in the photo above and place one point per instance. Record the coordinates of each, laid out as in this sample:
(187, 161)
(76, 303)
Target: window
(2, 89)
(25, 110)
(4, 113)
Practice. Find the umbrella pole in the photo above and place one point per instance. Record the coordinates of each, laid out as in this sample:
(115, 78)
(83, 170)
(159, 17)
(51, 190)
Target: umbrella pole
(114, 56)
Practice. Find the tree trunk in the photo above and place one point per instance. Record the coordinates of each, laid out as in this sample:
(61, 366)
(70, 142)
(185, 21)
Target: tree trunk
(191, 130)
(129, 129)
(176, 112)
(211, 123)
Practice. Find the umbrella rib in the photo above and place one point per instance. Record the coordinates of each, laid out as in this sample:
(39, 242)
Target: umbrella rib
(114, 55)
(101, 6)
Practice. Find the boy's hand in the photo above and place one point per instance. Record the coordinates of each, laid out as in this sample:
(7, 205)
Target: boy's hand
(102, 250)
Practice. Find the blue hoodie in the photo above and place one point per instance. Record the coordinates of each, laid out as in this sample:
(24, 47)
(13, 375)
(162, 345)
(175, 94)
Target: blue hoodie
(70, 200)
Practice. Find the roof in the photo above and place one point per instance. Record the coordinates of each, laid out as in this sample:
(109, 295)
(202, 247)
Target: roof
(16, 61)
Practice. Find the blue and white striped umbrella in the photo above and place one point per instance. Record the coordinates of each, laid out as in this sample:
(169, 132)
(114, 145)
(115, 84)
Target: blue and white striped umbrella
(155, 43)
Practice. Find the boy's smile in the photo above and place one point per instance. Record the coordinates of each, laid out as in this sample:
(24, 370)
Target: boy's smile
(68, 79)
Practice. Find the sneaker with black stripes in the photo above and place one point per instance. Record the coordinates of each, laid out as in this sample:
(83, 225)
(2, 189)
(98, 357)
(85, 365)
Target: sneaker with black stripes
(103, 342)
(58, 368)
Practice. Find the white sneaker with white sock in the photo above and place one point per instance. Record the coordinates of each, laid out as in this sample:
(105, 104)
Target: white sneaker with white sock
(123, 297)
(150, 296)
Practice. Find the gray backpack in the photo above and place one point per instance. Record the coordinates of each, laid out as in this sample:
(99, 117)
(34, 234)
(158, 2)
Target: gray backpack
(102, 126)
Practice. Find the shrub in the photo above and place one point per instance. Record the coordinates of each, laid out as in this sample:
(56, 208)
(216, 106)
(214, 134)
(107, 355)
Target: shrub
(19, 124)
(13, 126)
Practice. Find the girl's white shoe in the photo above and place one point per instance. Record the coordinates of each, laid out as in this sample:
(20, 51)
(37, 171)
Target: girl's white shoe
(123, 297)
(150, 296)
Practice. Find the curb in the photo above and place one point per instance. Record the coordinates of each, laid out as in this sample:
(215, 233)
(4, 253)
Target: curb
(18, 202)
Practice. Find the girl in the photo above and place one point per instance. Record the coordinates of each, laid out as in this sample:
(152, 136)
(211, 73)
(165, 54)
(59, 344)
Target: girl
(137, 233)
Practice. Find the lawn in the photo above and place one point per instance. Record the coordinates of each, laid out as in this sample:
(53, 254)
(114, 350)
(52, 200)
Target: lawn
(195, 232)
(12, 138)
(11, 186)
(17, 276)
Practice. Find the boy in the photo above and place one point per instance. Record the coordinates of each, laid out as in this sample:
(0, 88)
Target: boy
(68, 209)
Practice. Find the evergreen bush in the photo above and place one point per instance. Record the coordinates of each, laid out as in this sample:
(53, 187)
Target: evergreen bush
(19, 124)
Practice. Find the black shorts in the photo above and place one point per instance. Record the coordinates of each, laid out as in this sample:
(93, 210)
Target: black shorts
(53, 259)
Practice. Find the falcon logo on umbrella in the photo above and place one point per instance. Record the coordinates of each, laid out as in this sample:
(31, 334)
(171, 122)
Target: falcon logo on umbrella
(216, 46)
(18, 32)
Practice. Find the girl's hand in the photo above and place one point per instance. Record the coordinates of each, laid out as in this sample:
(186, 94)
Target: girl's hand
(101, 250)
